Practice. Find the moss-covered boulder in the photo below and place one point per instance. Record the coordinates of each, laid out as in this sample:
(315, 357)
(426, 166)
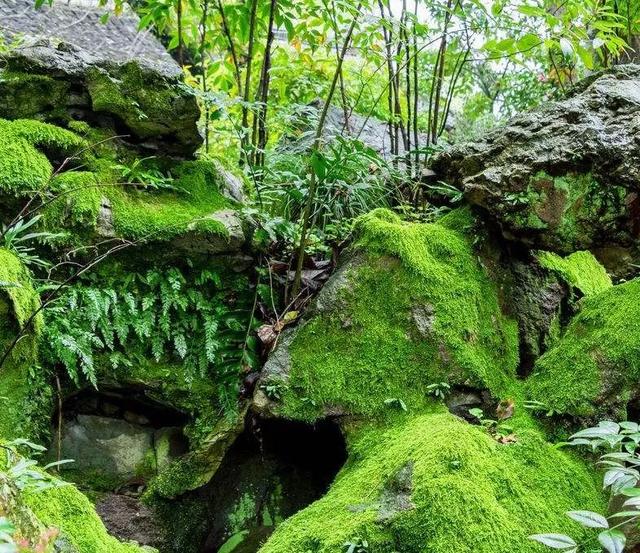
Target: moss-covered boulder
(88, 199)
(594, 368)
(54, 81)
(432, 482)
(564, 176)
(414, 308)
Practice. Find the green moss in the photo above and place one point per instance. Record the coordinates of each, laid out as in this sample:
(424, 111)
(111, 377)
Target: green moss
(164, 215)
(69, 510)
(596, 364)
(571, 210)
(435, 483)
(581, 270)
(140, 98)
(22, 395)
(24, 166)
(419, 309)
(29, 95)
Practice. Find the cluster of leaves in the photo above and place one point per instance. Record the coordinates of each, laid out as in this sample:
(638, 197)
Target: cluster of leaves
(497, 428)
(621, 463)
(142, 172)
(19, 238)
(199, 321)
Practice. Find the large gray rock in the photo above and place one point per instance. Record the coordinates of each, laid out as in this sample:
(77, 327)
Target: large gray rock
(78, 22)
(565, 176)
(107, 446)
(123, 81)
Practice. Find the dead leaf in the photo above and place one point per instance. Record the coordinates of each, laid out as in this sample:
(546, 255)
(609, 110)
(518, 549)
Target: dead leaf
(505, 409)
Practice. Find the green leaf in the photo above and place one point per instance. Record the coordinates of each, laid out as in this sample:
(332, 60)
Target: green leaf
(589, 519)
(555, 541)
(612, 540)
(566, 47)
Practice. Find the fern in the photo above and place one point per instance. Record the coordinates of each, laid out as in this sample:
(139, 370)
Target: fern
(159, 314)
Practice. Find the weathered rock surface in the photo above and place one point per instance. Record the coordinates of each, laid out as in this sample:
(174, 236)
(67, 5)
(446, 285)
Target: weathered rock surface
(113, 447)
(563, 177)
(58, 82)
(78, 22)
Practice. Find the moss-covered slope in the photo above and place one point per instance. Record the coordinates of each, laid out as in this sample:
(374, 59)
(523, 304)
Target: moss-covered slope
(433, 483)
(595, 367)
(23, 395)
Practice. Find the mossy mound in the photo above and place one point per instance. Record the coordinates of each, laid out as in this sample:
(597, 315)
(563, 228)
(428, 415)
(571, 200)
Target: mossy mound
(26, 147)
(416, 308)
(594, 368)
(23, 394)
(435, 483)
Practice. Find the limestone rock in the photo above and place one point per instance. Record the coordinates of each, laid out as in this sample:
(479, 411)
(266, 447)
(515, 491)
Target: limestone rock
(193, 241)
(565, 176)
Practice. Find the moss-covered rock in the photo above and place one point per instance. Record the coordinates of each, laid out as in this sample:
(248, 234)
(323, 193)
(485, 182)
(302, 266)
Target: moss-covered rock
(24, 396)
(54, 82)
(594, 368)
(434, 483)
(92, 203)
(543, 292)
(562, 177)
(414, 308)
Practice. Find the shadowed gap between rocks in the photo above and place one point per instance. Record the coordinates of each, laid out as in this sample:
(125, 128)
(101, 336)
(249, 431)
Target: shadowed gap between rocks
(274, 469)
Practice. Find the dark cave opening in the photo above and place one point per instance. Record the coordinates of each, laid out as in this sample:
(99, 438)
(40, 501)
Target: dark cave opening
(274, 469)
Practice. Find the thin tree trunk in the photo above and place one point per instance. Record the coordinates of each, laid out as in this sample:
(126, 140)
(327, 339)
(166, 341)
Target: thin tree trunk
(180, 37)
(232, 48)
(440, 75)
(407, 50)
(387, 42)
(343, 93)
(264, 90)
(416, 144)
(244, 140)
(316, 148)
(203, 69)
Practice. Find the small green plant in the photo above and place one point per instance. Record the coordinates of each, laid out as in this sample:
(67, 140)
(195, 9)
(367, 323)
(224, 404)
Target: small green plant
(24, 472)
(439, 390)
(356, 545)
(143, 173)
(7, 529)
(502, 432)
(621, 462)
(396, 403)
(539, 406)
(274, 389)
(18, 237)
